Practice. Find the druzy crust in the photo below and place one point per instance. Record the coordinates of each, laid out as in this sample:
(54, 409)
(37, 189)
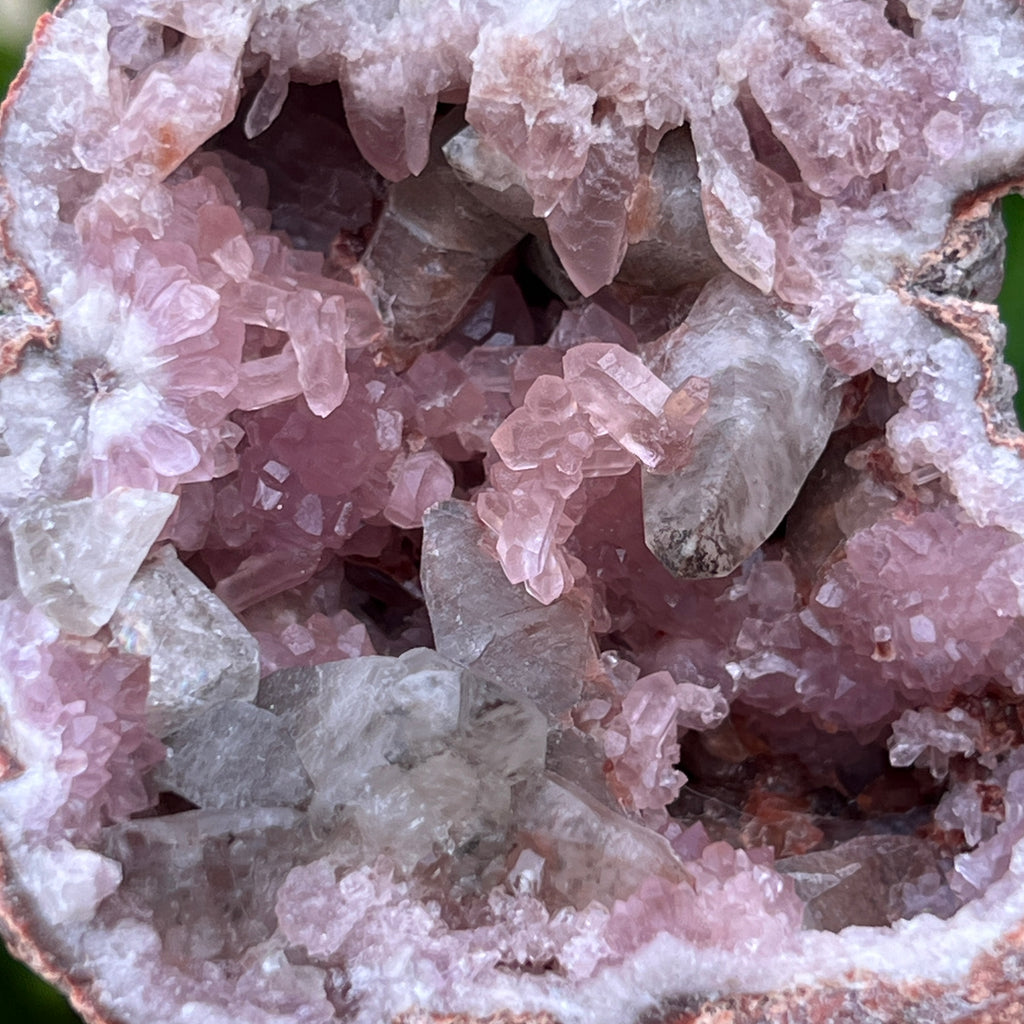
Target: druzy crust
(513, 512)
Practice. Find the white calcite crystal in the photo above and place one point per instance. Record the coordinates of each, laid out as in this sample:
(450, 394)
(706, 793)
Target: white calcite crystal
(415, 751)
(77, 558)
(350, 717)
(513, 512)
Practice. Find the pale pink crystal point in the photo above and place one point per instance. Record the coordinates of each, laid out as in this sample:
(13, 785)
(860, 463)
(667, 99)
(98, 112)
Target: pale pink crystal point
(513, 513)
(639, 411)
(640, 743)
(607, 414)
(422, 479)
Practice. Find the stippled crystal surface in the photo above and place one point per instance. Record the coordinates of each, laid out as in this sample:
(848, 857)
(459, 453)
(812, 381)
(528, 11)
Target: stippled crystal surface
(513, 512)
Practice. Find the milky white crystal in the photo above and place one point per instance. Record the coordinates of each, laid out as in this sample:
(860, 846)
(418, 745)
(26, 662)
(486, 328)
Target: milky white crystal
(513, 510)
(77, 558)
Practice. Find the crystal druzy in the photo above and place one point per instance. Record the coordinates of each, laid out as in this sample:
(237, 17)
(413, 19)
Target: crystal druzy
(512, 511)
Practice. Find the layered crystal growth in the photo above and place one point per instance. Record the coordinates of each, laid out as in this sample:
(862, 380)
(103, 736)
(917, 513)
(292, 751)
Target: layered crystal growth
(513, 512)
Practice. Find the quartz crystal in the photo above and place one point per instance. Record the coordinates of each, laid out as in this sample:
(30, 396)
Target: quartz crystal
(513, 513)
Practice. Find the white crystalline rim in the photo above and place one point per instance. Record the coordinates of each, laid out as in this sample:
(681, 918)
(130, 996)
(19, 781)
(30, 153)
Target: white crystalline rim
(667, 966)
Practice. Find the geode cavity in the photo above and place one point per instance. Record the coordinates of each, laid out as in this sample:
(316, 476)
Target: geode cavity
(513, 511)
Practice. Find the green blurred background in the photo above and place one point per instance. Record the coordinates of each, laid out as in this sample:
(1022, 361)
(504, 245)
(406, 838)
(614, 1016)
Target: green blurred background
(24, 999)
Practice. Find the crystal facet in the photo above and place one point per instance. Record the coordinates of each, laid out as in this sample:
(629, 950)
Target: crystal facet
(513, 512)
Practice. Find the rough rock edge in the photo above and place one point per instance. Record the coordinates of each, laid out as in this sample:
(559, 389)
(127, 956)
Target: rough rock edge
(977, 323)
(505, 1017)
(18, 930)
(993, 993)
(25, 318)
(993, 989)
(21, 300)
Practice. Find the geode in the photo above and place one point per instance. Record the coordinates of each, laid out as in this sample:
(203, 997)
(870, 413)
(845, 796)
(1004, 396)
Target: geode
(513, 511)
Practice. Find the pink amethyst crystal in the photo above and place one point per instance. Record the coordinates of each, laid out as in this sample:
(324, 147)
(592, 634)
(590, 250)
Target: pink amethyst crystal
(513, 512)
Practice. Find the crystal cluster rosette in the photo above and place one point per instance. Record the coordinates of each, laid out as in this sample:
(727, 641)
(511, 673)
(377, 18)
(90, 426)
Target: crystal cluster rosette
(513, 511)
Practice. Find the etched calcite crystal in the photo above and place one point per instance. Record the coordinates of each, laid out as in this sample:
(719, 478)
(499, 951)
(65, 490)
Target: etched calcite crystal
(513, 512)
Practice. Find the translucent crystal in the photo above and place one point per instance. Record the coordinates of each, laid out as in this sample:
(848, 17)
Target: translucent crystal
(607, 413)
(836, 883)
(77, 558)
(773, 403)
(931, 737)
(449, 241)
(365, 712)
(234, 755)
(482, 621)
(199, 653)
(602, 856)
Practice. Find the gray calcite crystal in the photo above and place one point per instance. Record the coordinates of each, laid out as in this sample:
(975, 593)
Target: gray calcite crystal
(199, 654)
(870, 880)
(483, 621)
(773, 406)
(432, 247)
(234, 755)
(512, 513)
(603, 857)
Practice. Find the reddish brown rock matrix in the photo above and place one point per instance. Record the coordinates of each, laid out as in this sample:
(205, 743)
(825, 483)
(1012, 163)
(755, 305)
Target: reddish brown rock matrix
(513, 513)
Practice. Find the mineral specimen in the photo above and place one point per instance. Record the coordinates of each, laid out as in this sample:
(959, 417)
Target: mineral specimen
(513, 512)
(772, 410)
(169, 617)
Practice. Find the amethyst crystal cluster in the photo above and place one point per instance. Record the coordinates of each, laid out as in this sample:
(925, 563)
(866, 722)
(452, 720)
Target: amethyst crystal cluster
(513, 511)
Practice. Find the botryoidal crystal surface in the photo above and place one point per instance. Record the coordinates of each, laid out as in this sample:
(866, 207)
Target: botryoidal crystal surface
(513, 511)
